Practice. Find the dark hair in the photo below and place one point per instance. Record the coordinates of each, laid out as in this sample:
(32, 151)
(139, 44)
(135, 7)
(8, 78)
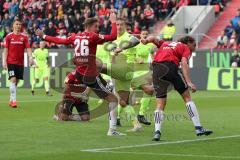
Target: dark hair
(90, 21)
(186, 39)
(16, 20)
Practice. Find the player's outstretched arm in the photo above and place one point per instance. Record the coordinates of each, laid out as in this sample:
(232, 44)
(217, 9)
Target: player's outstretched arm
(151, 39)
(185, 70)
(56, 40)
(131, 43)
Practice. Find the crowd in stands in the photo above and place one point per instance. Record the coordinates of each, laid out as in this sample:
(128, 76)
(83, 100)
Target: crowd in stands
(230, 37)
(63, 17)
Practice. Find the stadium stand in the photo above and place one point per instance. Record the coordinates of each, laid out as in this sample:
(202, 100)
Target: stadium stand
(67, 16)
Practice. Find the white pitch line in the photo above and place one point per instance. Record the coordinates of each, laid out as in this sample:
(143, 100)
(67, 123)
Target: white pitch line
(171, 154)
(156, 144)
(29, 101)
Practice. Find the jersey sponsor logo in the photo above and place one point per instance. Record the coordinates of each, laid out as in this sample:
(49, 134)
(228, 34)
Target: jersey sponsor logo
(17, 42)
(82, 37)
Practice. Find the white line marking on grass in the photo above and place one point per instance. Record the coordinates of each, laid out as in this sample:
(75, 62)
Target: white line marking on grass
(29, 101)
(171, 154)
(160, 143)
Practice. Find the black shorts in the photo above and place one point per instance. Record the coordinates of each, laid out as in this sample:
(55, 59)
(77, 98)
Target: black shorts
(166, 74)
(15, 71)
(82, 107)
(97, 84)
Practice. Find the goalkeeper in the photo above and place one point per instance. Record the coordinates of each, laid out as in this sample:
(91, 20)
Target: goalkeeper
(41, 69)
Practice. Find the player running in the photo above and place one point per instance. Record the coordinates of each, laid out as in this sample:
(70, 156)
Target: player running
(41, 68)
(75, 95)
(13, 58)
(166, 71)
(85, 45)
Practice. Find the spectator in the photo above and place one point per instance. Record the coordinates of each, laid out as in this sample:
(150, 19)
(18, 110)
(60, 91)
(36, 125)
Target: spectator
(136, 28)
(61, 35)
(149, 14)
(169, 31)
(235, 60)
(142, 21)
(132, 17)
(228, 31)
(222, 41)
(13, 8)
(95, 10)
(6, 6)
(237, 34)
(236, 19)
(105, 28)
(67, 23)
(171, 5)
(104, 11)
(51, 30)
(78, 23)
(6, 20)
(232, 41)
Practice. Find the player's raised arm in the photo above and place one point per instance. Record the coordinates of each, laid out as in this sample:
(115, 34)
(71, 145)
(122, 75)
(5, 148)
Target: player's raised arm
(56, 40)
(111, 37)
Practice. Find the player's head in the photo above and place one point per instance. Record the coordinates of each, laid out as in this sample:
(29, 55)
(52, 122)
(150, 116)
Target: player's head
(144, 34)
(121, 26)
(17, 25)
(42, 44)
(189, 41)
(91, 24)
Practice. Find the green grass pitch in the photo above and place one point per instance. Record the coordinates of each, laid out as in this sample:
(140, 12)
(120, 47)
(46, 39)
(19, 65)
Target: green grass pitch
(29, 133)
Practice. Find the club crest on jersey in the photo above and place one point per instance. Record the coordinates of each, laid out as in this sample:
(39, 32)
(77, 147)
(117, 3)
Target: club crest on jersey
(21, 39)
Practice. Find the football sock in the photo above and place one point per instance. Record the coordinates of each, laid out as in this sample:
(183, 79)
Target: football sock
(158, 119)
(46, 85)
(145, 101)
(112, 115)
(132, 115)
(120, 109)
(193, 113)
(12, 88)
(33, 84)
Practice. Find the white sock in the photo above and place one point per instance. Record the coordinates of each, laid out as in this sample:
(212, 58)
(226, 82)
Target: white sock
(12, 88)
(112, 115)
(193, 113)
(158, 119)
